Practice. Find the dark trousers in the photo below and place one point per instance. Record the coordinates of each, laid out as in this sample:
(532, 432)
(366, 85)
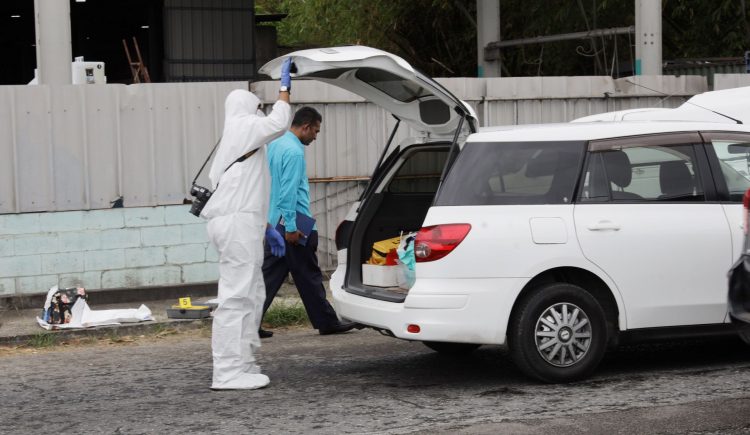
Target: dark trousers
(302, 262)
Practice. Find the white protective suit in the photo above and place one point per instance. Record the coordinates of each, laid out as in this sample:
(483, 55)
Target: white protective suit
(237, 213)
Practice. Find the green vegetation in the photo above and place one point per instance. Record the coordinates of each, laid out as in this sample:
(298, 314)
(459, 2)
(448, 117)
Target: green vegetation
(439, 36)
(283, 313)
(436, 36)
(162, 330)
(42, 339)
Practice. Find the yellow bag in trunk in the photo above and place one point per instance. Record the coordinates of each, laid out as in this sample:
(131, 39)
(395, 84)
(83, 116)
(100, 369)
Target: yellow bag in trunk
(380, 250)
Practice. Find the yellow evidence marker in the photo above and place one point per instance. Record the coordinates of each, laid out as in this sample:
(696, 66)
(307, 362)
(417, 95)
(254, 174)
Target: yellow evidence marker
(187, 304)
(185, 309)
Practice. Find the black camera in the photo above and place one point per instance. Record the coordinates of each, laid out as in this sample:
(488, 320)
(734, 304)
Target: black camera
(201, 195)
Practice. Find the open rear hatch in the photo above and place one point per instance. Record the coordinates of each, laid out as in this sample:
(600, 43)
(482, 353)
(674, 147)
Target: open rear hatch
(391, 83)
(383, 78)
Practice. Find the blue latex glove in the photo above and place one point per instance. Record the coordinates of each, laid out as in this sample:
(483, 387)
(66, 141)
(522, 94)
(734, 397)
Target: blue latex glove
(286, 76)
(275, 242)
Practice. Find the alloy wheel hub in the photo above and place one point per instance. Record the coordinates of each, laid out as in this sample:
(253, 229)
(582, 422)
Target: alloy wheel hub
(563, 334)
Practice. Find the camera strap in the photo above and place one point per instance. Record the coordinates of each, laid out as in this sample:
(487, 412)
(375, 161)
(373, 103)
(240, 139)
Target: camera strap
(240, 159)
(207, 159)
(205, 194)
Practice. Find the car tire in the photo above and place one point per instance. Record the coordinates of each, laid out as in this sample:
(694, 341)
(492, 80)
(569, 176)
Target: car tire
(744, 333)
(558, 333)
(451, 348)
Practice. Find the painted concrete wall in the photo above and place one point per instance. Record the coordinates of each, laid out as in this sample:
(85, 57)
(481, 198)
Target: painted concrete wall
(104, 249)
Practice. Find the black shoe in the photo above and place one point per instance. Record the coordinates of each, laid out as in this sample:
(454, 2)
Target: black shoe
(262, 333)
(337, 328)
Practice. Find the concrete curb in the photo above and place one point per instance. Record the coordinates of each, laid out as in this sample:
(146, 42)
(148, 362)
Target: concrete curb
(114, 296)
(104, 331)
(24, 309)
(135, 294)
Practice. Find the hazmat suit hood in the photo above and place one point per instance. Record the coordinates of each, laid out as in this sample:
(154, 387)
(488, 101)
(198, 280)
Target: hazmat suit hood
(245, 188)
(239, 107)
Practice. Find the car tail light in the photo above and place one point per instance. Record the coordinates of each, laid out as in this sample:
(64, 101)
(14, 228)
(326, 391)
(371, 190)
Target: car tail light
(438, 241)
(746, 210)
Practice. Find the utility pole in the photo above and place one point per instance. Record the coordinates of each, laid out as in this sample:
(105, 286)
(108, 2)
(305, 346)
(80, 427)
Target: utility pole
(648, 60)
(53, 48)
(488, 30)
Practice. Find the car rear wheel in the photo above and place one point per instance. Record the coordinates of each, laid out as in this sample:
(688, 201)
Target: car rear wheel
(558, 333)
(744, 333)
(451, 348)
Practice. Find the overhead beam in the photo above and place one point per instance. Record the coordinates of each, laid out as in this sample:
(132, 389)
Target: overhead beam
(493, 49)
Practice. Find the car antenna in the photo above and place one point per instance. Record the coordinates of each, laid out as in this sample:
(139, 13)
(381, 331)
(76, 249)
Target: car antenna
(688, 102)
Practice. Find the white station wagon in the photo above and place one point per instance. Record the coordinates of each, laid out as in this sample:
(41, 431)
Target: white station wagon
(557, 240)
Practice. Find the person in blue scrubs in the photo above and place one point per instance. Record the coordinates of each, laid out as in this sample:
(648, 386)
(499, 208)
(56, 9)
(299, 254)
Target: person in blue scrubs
(290, 194)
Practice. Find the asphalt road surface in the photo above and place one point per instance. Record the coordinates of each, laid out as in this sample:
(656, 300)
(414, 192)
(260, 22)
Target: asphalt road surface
(361, 382)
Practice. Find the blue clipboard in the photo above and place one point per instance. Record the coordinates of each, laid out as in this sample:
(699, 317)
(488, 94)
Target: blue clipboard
(304, 223)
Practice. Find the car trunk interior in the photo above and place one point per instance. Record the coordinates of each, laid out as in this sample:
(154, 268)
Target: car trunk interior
(398, 207)
(395, 214)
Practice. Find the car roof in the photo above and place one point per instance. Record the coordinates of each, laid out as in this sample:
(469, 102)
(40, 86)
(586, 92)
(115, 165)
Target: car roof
(585, 131)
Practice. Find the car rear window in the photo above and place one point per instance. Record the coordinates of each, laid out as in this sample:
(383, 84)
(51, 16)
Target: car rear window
(502, 173)
(392, 85)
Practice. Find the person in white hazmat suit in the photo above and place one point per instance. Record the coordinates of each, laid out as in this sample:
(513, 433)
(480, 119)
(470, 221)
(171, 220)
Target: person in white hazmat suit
(237, 213)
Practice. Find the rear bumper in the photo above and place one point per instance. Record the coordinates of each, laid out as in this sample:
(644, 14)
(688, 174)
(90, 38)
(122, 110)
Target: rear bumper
(451, 310)
(739, 291)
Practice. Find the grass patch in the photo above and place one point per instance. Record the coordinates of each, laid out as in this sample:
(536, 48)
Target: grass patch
(282, 313)
(42, 339)
(160, 330)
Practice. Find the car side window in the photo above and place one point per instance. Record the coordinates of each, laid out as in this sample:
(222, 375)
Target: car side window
(420, 173)
(513, 173)
(642, 173)
(734, 161)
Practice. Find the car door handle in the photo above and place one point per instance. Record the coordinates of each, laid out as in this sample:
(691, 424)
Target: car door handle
(604, 226)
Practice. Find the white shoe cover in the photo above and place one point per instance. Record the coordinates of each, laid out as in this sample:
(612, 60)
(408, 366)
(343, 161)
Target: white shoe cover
(244, 381)
(253, 369)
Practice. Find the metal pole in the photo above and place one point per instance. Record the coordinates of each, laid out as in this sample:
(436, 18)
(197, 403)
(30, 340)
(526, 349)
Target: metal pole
(488, 30)
(53, 48)
(648, 38)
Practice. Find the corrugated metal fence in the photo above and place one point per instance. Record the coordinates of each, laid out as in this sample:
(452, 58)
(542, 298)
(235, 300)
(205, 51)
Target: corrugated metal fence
(208, 40)
(82, 147)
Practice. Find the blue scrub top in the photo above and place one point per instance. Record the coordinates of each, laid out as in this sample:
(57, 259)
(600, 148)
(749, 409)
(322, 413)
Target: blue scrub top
(290, 192)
